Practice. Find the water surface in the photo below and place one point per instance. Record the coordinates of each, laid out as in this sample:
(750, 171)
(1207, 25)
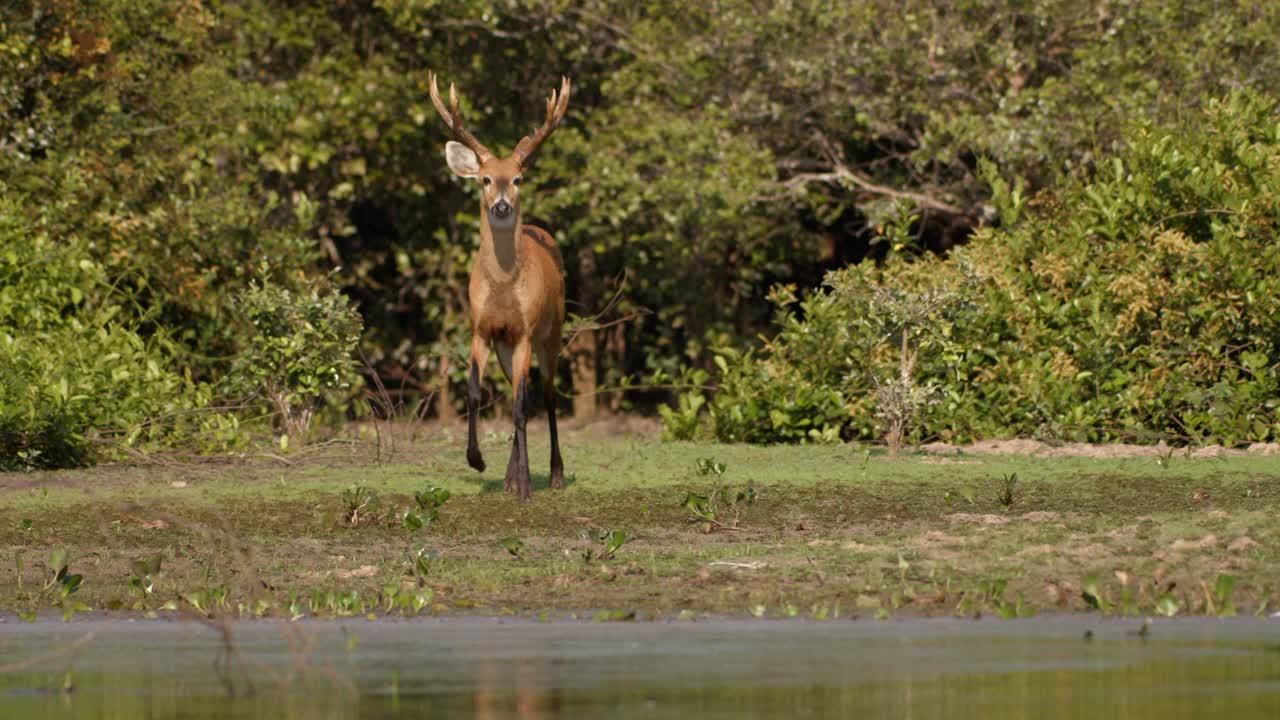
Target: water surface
(486, 668)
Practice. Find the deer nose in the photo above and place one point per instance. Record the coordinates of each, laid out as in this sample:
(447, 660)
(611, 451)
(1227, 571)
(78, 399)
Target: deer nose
(501, 209)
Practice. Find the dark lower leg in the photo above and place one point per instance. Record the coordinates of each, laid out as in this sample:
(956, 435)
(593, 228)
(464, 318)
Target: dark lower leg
(512, 466)
(474, 458)
(557, 465)
(524, 485)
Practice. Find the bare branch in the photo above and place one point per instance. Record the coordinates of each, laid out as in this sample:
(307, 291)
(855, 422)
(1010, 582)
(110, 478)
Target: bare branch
(842, 175)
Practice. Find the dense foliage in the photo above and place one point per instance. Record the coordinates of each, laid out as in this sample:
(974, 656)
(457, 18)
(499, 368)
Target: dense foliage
(711, 152)
(1140, 303)
(299, 350)
(71, 364)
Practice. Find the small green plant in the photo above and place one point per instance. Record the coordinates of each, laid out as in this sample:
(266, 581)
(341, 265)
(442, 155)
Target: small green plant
(613, 616)
(60, 579)
(1091, 593)
(208, 601)
(721, 507)
(428, 503)
(410, 520)
(408, 600)
(298, 352)
(683, 421)
(514, 545)
(296, 610)
(1008, 483)
(1218, 599)
(358, 503)
(913, 322)
(613, 540)
(420, 562)
(1167, 605)
(142, 580)
(992, 591)
(709, 467)
(337, 603)
(60, 583)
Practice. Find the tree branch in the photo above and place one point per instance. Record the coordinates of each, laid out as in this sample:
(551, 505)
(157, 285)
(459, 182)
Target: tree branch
(842, 175)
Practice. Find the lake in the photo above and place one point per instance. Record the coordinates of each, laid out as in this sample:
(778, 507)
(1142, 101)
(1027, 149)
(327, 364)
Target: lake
(1069, 666)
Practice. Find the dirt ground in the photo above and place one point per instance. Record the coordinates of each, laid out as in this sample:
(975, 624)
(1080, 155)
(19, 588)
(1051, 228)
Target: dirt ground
(650, 529)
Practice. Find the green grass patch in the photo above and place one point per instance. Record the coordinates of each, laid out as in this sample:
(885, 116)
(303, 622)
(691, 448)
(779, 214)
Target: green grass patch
(659, 529)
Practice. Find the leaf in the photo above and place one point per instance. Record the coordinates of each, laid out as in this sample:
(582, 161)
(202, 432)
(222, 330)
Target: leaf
(699, 505)
(614, 616)
(613, 541)
(70, 584)
(58, 560)
(411, 521)
(431, 498)
(422, 561)
(1089, 591)
(1167, 605)
(1223, 587)
(514, 545)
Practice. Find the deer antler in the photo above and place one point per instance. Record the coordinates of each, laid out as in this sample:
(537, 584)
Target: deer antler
(454, 120)
(556, 107)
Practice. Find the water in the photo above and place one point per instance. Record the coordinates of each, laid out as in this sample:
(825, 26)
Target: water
(485, 668)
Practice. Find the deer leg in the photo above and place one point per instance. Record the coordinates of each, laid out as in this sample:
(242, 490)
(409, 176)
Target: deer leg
(520, 453)
(547, 356)
(512, 464)
(479, 357)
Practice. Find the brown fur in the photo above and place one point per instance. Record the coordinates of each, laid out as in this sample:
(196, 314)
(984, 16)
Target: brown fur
(516, 289)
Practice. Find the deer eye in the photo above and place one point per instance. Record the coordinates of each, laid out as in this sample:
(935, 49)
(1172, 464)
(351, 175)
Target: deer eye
(517, 180)
(487, 180)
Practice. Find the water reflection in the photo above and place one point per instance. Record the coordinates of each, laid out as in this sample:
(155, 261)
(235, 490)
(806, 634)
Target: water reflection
(534, 693)
(483, 670)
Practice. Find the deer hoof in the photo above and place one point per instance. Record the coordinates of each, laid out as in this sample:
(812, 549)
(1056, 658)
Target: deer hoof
(474, 459)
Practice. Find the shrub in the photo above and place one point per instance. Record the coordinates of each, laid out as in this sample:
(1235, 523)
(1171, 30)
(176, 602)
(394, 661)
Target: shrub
(1138, 303)
(70, 370)
(298, 352)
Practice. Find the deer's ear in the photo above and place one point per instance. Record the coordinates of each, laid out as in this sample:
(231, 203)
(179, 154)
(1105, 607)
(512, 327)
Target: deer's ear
(462, 161)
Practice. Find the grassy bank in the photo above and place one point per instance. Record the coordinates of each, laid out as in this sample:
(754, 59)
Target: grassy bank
(830, 531)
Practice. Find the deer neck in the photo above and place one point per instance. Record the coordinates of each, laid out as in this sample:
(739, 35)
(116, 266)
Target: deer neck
(499, 251)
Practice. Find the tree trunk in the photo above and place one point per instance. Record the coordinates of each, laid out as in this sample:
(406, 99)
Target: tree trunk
(444, 396)
(616, 349)
(584, 353)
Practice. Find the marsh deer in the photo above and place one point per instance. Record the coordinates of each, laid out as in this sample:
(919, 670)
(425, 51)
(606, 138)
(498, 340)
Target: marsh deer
(517, 283)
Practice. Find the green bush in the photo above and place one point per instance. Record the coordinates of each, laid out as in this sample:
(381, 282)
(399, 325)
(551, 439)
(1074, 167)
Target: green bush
(70, 369)
(298, 352)
(1139, 303)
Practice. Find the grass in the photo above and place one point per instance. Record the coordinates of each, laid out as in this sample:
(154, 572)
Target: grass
(832, 531)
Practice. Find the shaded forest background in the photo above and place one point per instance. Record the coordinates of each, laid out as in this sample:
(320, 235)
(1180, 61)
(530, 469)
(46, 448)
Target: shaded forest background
(1063, 212)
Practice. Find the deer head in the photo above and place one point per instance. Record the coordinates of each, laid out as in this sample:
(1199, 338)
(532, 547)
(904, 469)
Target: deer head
(499, 178)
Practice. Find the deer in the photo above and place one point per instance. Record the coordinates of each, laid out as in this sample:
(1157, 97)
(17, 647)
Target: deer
(516, 290)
